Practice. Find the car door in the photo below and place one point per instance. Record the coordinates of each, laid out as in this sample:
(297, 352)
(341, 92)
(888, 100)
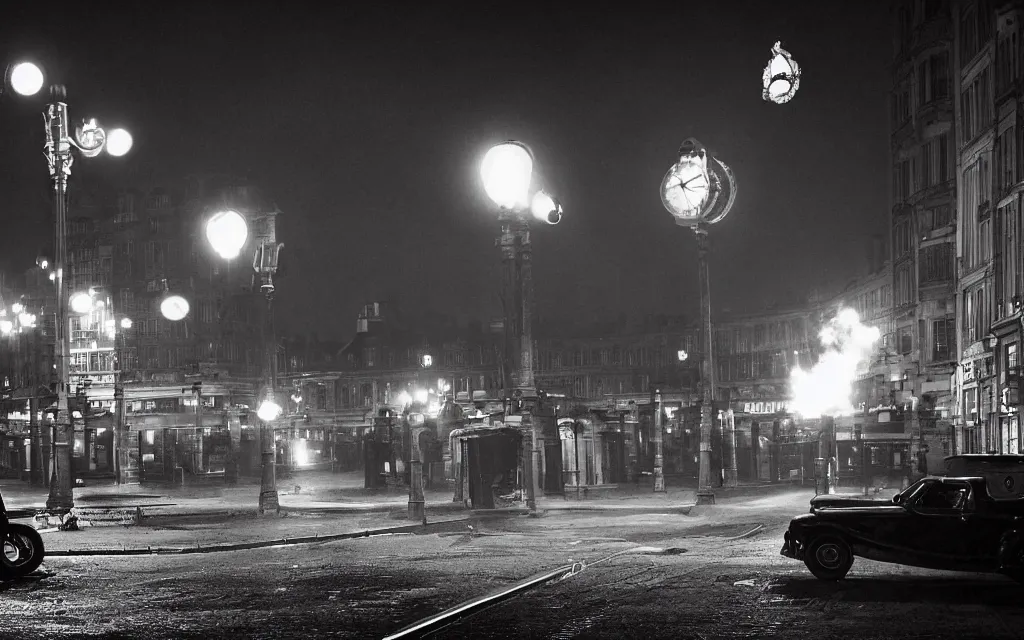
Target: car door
(937, 531)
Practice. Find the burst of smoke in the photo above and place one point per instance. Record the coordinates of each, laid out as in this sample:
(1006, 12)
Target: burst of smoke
(825, 389)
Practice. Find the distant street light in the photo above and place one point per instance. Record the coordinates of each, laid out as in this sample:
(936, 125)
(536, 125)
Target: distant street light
(698, 191)
(269, 410)
(174, 308)
(90, 140)
(227, 232)
(507, 174)
(81, 303)
(120, 458)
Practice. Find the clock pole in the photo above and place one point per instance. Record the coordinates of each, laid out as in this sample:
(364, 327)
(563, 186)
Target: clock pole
(699, 190)
(705, 494)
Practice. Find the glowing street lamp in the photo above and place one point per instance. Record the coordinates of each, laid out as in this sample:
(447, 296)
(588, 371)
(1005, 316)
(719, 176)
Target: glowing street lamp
(62, 138)
(781, 78)
(81, 303)
(507, 172)
(119, 142)
(269, 410)
(26, 79)
(126, 323)
(227, 232)
(174, 308)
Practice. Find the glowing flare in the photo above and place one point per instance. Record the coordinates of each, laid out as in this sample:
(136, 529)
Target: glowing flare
(826, 388)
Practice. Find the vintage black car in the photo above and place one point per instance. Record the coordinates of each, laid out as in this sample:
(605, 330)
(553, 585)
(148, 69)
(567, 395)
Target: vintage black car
(953, 523)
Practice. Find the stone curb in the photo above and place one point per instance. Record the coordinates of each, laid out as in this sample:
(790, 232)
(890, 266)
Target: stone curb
(676, 508)
(242, 546)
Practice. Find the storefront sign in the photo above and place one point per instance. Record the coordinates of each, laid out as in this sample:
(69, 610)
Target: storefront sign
(101, 379)
(761, 408)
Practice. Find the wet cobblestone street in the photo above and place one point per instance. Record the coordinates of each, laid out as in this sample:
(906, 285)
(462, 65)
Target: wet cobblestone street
(712, 583)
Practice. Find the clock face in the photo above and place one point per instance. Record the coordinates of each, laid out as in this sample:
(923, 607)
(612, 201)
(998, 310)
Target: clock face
(685, 188)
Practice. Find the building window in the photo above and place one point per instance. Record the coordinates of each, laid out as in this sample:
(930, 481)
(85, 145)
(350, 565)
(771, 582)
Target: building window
(902, 241)
(901, 104)
(904, 284)
(1009, 229)
(943, 339)
(975, 199)
(933, 79)
(1006, 175)
(974, 32)
(1007, 62)
(975, 107)
(1012, 357)
(977, 315)
(935, 161)
(937, 263)
(901, 180)
(905, 339)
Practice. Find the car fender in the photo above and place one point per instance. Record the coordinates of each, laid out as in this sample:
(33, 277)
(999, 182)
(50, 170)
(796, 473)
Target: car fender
(809, 531)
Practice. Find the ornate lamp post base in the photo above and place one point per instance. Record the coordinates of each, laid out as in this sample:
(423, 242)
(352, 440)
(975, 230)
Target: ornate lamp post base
(705, 496)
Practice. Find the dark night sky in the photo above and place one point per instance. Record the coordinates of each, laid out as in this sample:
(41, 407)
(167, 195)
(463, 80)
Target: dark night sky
(367, 127)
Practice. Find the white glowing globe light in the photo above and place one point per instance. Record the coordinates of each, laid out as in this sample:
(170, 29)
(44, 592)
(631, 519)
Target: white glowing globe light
(126, 323)
(81, 303)
(26, 79)
(119, 142)
(174, 308)
(227, 232)
(506, 171)
(17, 307)
(269, 410)
(420, 395)
(6, 327)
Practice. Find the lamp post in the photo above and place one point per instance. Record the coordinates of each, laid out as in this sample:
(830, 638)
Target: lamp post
(90, 139)
(507, 172)
(227, 232)
(699, 190)
(120, 463)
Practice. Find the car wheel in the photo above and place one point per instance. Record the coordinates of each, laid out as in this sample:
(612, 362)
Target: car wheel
(829, 558)
(21, 552)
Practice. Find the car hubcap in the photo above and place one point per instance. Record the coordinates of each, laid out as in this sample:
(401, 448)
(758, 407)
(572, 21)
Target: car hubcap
(17, 551)
(828, 555)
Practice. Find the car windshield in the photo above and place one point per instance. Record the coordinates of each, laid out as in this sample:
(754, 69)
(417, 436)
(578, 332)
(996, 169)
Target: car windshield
(909, 491)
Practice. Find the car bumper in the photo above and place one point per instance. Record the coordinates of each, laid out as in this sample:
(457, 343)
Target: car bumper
(792, 547)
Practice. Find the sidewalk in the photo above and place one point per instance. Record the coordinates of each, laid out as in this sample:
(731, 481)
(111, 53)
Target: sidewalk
(327, 493)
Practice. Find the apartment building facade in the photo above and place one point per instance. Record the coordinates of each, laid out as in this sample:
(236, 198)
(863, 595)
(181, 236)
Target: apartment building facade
(926, 180)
